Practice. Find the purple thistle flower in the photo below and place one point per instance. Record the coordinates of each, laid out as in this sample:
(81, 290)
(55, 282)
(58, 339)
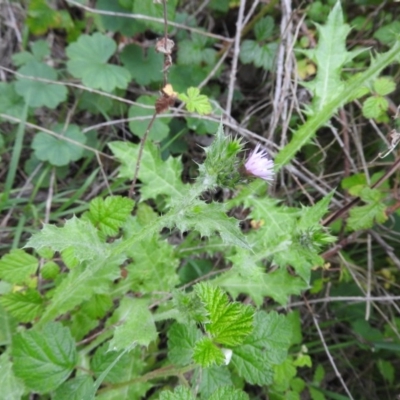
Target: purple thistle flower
(260, 164)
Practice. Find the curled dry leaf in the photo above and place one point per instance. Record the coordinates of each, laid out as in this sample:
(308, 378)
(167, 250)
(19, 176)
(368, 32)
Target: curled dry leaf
(166, 100)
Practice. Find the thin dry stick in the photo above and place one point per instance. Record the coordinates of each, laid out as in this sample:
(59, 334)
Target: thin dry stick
(140, 155)
(369, 274)
(235, 58)
(148, 18)
(328, 353)
(49, 199)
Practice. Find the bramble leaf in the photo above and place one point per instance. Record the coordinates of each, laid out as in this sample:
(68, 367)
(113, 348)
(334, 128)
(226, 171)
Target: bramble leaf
(374, 106)
(229, 393)
(196, 102)
(79, 387)
(88, 58)
(384, 85)
(36, 93)
(263, 28)
(364, 217)
(207, 353)
(109, 214)
(229, 323)
(212, 378)
(181, 342)
(44, 359)
(18, 267)
(57, 151)
(23, 306)
(180, 393)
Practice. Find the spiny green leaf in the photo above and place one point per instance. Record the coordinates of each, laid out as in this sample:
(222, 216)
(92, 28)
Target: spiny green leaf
(181, 342)
(44, 359)
(206, 353)
(36, 93)
(109, 214)
(135, 325)
(144, 67)
(88, 58)
(81, 284)
(18, 267)
(229, 323)
(278, 285)
(57, 151)
(158, 177)
(23, 306)
(196, 102)
(80, 236)
(206, 219)
(139, 125)
(153, 267)
(304, 134)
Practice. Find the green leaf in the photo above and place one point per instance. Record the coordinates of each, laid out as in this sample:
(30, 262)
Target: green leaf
(41, 17)
(109, 214)
(181, 342)
(388, 34)
(374, 106)
(23, 306)
(128, 366)
(229, 323)
(384, 85)
(180, 393)
(126, 26)
(338, 98)
(144, 67)
(263, 56)
(195, 52)
(364, 217)
(44, 359)
(18, 267)
(263, 28)
(196, 102)
(330, 55)
(57, 151)
(207, 219)
(78, 388)
(152, 9)
(135, 325)
(278, 285)
(228, 393)
(36, 93)
(154, 266)
(158, 177)
(88, 60)
(206, 353)
(80, 236)
(10, 102)
(159, 130)
(11, 387)
(212, 378)
(265, 347)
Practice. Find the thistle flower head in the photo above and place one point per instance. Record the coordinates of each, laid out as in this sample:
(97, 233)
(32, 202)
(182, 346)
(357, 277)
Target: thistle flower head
(260, 164)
